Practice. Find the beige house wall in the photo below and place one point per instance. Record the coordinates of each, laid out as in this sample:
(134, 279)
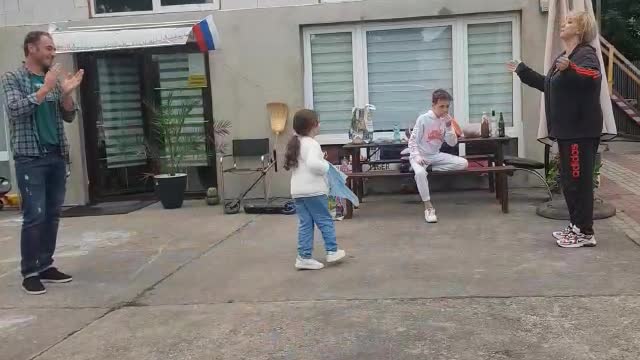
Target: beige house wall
(261, 60)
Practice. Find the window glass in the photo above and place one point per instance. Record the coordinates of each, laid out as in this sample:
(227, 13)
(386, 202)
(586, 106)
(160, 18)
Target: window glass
(332, 67)
(490, 46)
(405, 66)
(116, 6)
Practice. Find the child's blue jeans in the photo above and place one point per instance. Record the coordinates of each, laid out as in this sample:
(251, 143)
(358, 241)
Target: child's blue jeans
(314, 210)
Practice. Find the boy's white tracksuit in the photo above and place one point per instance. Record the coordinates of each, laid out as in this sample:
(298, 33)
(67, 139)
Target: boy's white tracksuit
(427, 137)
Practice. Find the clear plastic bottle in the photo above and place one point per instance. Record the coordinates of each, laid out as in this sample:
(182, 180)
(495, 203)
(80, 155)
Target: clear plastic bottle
(396, 133)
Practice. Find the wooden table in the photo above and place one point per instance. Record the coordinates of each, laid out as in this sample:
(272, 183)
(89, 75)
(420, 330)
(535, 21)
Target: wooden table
(354, 150)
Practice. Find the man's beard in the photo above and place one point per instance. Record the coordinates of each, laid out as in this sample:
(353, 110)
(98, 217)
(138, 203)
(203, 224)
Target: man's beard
(46, 65)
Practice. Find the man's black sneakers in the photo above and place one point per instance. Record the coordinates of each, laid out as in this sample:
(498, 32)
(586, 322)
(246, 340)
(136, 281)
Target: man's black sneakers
(52, 275)
(33, 286)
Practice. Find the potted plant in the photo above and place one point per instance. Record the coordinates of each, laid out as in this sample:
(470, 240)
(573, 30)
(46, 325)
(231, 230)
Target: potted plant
(557, 209)
(553, 176)
(217, 134)
(170, 144)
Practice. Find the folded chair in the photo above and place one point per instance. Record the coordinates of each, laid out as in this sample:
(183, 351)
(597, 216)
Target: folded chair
(529, 166)
(247, 150)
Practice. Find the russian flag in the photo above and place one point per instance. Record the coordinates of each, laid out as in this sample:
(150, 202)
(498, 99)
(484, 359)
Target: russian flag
(206, 35)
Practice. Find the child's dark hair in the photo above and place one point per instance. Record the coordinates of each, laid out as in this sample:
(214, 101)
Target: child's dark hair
(441, 94)
(303, 122)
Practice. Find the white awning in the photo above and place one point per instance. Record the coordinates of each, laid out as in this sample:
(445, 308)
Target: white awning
(117, 37)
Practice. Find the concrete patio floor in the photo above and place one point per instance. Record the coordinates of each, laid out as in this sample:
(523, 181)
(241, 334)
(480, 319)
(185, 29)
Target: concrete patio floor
(195, 284)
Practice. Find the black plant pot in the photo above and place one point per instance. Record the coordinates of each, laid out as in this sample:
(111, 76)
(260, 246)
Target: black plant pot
(170, 190)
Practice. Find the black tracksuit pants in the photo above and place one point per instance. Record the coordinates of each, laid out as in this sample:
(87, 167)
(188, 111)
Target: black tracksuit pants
(577, 162)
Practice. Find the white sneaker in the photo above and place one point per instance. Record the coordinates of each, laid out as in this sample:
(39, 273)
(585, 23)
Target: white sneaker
(333, 256)
(577, 239)
(559, 235)
(430, 216)
(308, 264)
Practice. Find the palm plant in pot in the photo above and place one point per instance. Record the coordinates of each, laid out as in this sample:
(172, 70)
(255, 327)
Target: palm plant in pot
(169, 147)
(216, 135)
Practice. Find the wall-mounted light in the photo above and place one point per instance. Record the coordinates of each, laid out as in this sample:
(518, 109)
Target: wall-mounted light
(544, 6)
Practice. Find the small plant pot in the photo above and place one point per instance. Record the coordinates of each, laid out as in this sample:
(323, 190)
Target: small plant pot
(170, 190)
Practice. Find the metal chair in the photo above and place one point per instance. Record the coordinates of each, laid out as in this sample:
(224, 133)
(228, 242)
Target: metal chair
(529, 166)
(246, 149)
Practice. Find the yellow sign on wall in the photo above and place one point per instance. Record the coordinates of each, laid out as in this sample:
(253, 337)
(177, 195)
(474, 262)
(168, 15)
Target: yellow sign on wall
(197, 81)
(197, 71)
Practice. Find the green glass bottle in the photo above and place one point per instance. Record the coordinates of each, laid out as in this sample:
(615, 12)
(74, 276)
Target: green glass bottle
(501, 132)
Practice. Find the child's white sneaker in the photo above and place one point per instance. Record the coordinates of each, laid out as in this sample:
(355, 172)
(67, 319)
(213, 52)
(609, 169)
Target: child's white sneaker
(430, 216)
(333, 256)
(308, 264)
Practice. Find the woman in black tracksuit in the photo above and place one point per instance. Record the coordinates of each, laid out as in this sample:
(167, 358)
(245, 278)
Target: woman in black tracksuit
(574, 119)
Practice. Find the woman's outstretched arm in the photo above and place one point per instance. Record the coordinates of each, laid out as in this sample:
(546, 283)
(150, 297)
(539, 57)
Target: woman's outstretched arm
(526, 74)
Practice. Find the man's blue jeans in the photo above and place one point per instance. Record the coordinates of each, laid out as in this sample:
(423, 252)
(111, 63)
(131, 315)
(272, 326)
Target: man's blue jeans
(42, 183)
(314, 211)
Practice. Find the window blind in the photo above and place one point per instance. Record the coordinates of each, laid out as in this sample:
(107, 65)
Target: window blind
(184, 2)
(490, 46)
(332, 79)
(405, 66)
(174, 80)
(122, 128)
(114, 6)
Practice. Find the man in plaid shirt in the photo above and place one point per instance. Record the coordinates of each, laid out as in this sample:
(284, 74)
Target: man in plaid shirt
(38, 100)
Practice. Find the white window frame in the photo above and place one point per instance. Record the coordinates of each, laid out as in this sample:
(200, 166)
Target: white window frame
(336, 138)
(4, 155)
(460, 64)
(159, 9)
(517, 129)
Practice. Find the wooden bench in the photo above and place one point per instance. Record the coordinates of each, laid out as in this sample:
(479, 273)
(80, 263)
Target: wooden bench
(470, 158)
(501, 172)
(383, 165)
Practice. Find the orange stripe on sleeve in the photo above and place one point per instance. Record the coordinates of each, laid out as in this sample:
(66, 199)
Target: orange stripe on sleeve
(584, 71)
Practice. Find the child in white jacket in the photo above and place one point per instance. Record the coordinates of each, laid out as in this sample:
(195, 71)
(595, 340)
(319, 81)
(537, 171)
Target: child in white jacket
(430, 132)
(309, 189)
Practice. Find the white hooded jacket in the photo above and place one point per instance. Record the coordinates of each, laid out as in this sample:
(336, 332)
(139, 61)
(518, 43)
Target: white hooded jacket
(428, 135)
(308, 179)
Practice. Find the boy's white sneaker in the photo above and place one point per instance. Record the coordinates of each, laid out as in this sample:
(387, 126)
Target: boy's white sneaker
(333, 256)
(308, 264)
(430, 216)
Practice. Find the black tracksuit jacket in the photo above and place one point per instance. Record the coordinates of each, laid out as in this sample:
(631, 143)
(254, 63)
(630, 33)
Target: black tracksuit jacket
(572, 97)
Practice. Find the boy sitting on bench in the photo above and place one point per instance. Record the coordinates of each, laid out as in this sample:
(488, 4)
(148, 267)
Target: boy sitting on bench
(430, 132)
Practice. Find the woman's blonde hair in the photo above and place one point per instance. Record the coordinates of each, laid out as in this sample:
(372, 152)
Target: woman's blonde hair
(586, 24)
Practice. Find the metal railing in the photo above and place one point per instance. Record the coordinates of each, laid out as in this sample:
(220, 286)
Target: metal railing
(623, 76)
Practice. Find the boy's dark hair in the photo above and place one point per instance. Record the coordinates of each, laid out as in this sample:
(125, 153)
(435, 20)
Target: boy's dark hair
(441, 94)
(33, 38)
(303, 122)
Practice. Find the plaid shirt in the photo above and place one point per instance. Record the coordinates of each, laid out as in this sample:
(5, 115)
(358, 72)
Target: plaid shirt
(20, 98)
